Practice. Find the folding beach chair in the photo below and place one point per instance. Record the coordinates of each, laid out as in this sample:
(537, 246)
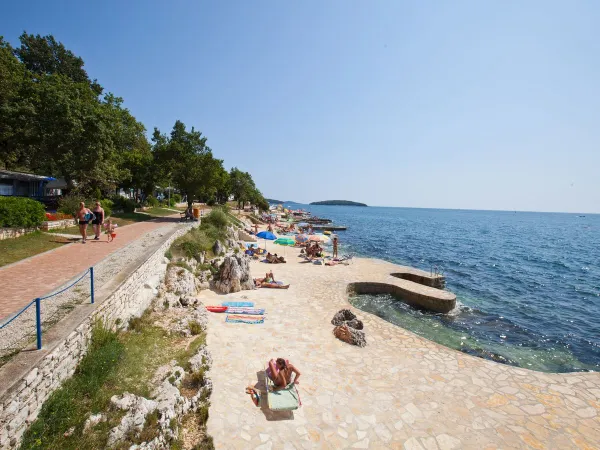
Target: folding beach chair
(287, 399)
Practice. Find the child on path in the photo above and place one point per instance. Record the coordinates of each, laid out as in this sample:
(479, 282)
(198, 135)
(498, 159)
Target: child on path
(111, 230)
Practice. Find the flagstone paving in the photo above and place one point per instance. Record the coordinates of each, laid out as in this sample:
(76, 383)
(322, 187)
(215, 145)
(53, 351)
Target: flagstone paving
(401, 391)
(23, 281)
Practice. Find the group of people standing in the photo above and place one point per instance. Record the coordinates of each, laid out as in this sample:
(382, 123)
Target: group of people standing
(96, 217)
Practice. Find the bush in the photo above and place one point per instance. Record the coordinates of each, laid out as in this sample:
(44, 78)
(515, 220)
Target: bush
(123, 204)
(107, 205)
(165, 203)
(21, 212)
(152, 201)
(217, 218)
(176, 198)
(69, 204)
(195, 328)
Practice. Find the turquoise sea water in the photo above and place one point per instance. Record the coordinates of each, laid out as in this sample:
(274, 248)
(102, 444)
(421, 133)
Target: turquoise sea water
(528, 284)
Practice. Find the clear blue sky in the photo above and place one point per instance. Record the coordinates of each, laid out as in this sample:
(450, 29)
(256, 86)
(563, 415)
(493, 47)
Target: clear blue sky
(452, 104)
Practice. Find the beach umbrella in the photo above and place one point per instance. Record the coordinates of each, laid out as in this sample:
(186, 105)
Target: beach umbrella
(267, 236)
(301, 238)
(318, 238)
(285, 241)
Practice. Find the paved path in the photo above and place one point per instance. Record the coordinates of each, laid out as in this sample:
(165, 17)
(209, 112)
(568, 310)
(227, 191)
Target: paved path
(401, 391)
(41, 274)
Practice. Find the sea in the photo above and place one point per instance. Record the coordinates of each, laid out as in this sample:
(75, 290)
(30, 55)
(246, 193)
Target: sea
(527, 283)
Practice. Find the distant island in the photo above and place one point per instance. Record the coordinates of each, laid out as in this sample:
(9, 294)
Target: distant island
(279, 202)
(338, 203)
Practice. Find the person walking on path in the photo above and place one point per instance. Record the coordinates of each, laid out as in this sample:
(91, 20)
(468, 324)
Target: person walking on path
(335, 247)
(98, 220)
(84, 216)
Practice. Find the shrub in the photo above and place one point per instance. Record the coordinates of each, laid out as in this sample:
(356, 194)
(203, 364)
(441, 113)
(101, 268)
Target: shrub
(176, 198)
(217, 218)
(195, 328)
(21, 212)
(136, 324)
(152, 201)
(107, 205)
(166, 203)
(69, 204)
(123, 204)
(169, 254)
(203, 414)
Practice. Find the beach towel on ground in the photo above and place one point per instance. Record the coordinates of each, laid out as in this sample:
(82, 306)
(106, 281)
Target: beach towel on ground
(251, 311)
(236, 318)
(239, 304)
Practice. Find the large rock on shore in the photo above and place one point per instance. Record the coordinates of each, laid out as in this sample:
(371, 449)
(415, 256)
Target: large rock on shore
(347, 328)
(181, 281)
(347, 317)
(234, 275)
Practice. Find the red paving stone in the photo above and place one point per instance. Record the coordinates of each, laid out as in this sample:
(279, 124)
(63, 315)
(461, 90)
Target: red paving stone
(22, 282)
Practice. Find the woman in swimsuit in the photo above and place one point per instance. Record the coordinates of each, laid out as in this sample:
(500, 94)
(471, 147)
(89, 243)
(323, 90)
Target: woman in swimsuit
(280, 372)
(83, 218)
(98, 220)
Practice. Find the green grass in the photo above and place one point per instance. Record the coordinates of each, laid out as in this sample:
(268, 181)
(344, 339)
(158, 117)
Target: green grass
(115, 363)
(202, 239)
(160, 212)
(13, 250)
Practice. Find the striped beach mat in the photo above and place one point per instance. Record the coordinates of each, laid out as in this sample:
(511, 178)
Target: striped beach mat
(238, 304)
(237, 318)
(251, 311)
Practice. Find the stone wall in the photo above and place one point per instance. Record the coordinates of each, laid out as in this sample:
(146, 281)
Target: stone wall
(9, 233)
(55, 224)
(436, 281)
(29, 379)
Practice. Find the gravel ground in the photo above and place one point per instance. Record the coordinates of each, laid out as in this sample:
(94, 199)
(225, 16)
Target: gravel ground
(21, 332)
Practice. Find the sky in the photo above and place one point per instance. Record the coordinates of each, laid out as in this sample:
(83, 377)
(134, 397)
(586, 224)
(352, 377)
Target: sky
(442, 104)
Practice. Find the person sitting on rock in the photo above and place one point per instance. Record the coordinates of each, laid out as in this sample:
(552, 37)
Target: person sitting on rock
(280, 372)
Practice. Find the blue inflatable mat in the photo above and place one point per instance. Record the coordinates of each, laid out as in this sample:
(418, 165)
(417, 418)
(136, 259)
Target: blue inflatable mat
(239, 304)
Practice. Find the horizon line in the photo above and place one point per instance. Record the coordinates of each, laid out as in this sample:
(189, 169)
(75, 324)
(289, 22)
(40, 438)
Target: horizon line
(454, 209)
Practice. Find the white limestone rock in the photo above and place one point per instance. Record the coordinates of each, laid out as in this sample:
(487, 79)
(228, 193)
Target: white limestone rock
(133, 421)
(234, 275)
(92, 421)
(181, 281)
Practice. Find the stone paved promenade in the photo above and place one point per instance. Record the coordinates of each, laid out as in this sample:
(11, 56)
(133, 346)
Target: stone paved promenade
(41, 274)
(401, 391)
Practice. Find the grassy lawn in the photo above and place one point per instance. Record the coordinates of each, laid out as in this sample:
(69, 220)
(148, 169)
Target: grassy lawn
(13, 250)
(160, 212)
(115, 363)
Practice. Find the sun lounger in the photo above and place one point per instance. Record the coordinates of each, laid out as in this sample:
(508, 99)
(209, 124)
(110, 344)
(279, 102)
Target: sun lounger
(287, 399)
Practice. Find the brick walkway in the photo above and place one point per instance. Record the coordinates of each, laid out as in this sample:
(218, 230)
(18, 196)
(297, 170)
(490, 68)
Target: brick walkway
(22, 282)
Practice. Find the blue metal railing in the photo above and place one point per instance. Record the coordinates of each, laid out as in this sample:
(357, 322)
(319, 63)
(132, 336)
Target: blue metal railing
(38, 303)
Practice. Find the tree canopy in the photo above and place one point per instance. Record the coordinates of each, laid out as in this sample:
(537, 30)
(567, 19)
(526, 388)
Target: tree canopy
(56, 121)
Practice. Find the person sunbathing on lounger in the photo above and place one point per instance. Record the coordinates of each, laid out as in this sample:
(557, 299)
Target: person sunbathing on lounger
(280, 372)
